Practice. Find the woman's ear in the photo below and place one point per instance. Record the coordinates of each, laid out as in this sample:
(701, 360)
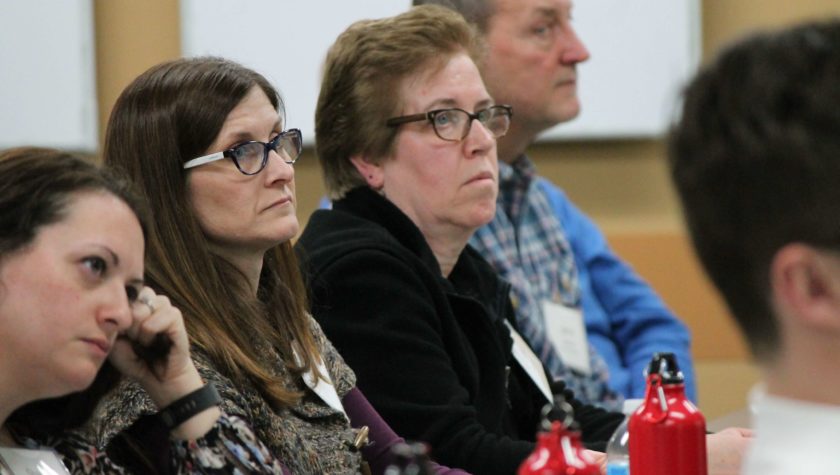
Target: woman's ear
(806, 283)
(371, 172)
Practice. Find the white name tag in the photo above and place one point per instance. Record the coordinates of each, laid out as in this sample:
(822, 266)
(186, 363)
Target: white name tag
(567, 331)
(32, 462)
(530, 363)
(323, 386)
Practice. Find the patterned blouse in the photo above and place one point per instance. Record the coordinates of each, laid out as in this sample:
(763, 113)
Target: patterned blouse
(229, 447)
(308, 438)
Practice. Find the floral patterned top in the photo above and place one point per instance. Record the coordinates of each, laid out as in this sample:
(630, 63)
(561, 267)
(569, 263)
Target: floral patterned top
(230, 447)
(309, 437)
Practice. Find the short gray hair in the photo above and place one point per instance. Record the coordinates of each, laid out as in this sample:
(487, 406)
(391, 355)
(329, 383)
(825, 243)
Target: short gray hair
(477, 12)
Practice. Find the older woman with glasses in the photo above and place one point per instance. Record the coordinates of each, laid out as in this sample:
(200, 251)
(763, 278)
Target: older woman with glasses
(406, 136)
(205, 139)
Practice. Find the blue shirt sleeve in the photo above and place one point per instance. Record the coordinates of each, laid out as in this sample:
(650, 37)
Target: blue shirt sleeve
(625, 320)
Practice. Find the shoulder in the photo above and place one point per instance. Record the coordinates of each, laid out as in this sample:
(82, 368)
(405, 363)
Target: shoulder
(237, 400)
(351, 247)
(553, 193)
(342, 376)
(331, 235)
(325, 226)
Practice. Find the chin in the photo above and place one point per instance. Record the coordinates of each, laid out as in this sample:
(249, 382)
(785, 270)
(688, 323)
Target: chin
(75, 380)
(285, 230)
(566, 112)
(481, 216)
(282, 235)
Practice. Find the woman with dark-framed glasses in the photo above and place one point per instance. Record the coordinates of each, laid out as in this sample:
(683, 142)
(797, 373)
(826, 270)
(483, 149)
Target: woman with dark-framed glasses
(206, 141)
(406, 137)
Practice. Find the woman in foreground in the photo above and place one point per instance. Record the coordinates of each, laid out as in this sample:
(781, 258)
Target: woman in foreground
(74, 313)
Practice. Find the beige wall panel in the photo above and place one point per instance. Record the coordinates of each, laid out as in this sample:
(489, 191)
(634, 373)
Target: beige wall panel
(131, 36)
(724, 385)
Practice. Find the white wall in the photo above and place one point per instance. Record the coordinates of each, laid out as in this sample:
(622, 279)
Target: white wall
(47, 80)
(642, 50)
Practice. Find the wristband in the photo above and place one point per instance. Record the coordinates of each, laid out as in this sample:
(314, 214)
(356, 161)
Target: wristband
(187, 406)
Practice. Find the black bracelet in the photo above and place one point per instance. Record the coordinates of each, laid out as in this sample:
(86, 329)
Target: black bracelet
(187, 406)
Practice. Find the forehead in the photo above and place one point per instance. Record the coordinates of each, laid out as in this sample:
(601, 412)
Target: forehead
(254, 109)
(511, 10)
(98, 218)
(97, 211)
(454, 80)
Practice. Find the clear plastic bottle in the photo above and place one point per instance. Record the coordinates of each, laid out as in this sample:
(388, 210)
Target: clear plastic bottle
(409, 459)
(618, 448)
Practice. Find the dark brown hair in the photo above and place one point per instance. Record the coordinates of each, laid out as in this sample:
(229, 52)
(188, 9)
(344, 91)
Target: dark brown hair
(170, 114)
(756, 160)
(36, 187)
(362, 76)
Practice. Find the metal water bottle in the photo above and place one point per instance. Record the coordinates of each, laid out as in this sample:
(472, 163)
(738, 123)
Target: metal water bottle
(667, 433)
(559, 450)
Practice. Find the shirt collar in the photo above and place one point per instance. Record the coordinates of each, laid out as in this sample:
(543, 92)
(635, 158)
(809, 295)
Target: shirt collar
(518, 174)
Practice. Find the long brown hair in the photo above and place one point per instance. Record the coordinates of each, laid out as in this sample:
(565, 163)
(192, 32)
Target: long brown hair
(170, 114)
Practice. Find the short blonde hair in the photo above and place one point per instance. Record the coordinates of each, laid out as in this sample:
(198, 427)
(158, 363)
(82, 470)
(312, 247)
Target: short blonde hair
(362, 76)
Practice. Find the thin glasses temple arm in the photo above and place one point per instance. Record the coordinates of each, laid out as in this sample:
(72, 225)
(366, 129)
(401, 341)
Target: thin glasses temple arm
(393, 122)
(205, 159)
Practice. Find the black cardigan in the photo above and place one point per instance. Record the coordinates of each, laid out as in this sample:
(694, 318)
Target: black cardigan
(430, 353)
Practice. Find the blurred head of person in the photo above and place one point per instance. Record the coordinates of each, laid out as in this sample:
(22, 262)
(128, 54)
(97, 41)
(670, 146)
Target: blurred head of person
(756, 160)
(531, 62)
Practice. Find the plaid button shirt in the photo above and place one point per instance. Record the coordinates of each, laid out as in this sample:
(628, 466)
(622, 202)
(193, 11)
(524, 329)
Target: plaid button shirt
(525, 242)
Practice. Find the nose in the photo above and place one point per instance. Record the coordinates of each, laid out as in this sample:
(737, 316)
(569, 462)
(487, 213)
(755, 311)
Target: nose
(277, 170)
(114, 312)
(574, 51)
(479, 140)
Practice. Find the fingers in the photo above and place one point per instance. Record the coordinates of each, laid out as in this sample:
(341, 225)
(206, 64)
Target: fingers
(739, 432)
(748, 433)
(154, 351)
(153, 314)
(597, 458)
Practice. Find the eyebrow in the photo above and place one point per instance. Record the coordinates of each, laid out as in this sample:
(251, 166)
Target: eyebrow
(554, 12)
(547, 12)
(116, 261)
(452, 103)
(245, 136)
(114, 257)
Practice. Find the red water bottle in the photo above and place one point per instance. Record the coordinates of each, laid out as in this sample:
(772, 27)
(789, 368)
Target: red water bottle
(667, 432)
(559, 450)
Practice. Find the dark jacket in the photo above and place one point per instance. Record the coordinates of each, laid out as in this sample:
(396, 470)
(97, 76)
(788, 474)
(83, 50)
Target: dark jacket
(432, 354)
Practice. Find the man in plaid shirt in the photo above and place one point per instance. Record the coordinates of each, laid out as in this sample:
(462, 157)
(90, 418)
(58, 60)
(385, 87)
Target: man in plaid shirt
(557, 260)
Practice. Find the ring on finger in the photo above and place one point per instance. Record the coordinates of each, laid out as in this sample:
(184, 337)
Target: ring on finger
(147, 301)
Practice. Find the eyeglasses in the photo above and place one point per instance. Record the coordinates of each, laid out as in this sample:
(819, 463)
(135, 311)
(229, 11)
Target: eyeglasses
(251, 157)
(454, 124)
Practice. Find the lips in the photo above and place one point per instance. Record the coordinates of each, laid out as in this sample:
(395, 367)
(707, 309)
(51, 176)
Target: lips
(481, 176)
(101, 344)
(280, 202)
